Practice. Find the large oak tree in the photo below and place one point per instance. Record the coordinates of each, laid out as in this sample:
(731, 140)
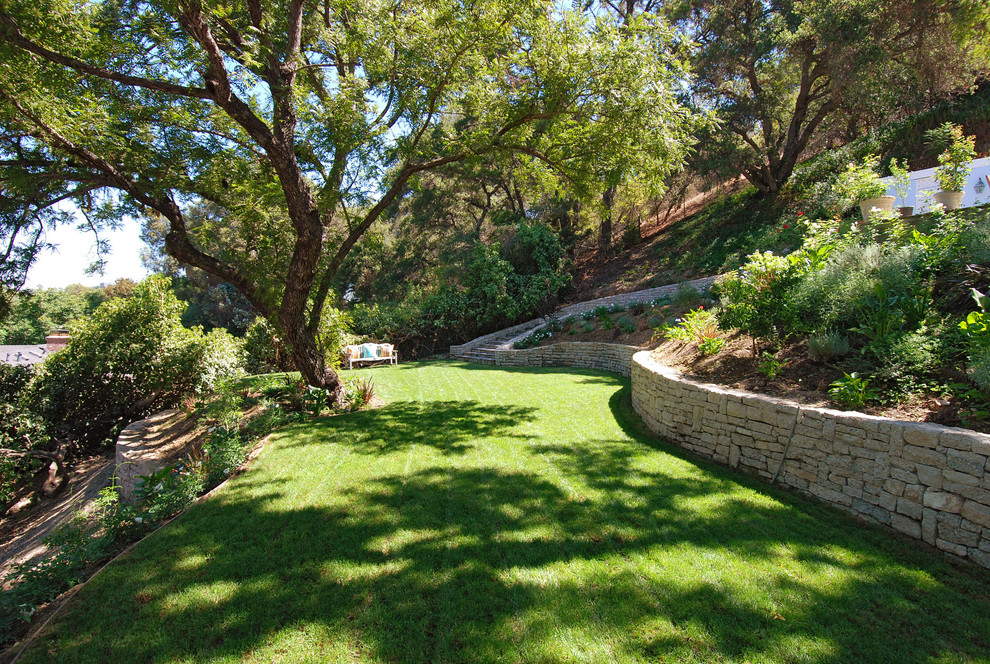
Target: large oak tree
(302, 120)
(778, 71)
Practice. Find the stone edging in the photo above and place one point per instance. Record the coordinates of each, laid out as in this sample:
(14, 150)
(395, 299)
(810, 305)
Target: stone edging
(928, 481)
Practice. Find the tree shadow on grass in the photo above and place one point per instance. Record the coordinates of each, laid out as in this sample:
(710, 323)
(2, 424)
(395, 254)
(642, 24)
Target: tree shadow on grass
(486, 565)
(451, 427)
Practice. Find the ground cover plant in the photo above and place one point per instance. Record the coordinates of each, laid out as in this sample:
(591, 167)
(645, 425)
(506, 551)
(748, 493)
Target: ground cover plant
(634, 324)
(476, 518)
(883, 314)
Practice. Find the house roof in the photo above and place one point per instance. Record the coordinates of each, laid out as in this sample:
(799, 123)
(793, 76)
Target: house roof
(20, 355)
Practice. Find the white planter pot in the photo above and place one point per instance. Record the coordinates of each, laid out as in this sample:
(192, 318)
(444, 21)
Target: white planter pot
(950, 200)
(884, 204)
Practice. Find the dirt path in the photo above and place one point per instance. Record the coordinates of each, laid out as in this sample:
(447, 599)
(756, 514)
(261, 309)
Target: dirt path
(21, 533)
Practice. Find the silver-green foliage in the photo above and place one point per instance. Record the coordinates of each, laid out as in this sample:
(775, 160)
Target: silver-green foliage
(828, 346)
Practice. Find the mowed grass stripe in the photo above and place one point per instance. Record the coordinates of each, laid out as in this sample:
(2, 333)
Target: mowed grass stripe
(488, 515)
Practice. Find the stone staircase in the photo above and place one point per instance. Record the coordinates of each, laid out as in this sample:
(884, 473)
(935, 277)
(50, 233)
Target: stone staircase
(482, 350)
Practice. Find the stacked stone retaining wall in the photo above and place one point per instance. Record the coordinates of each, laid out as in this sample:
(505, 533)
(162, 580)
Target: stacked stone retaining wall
(927, 481)
(585, 354)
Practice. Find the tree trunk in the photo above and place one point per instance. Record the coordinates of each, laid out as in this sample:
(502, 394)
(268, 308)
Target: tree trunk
(605, 225)
(311, 364)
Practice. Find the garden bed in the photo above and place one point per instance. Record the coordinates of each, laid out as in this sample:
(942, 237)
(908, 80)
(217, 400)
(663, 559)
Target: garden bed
(805, 381)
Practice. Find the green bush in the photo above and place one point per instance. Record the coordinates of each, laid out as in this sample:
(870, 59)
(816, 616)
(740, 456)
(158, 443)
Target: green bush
(20, 430)
(757, 300)
(860, 181)
(904, 360)
(129, 359)
(828, 346)
(834, 296)
(264, 351)
(222, 358)
(852, 391)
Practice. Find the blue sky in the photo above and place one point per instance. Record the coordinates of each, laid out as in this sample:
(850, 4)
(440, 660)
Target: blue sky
(75, 252)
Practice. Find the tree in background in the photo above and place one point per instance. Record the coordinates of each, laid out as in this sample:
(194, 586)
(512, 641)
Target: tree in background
(303, 122)
(780, 73)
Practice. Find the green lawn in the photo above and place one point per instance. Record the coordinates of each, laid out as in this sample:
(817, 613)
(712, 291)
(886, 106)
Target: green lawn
(514, 516)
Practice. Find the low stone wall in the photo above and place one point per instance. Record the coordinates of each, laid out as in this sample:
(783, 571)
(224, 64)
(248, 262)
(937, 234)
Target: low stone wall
(146, 446)
(588, 355)
(927, 481)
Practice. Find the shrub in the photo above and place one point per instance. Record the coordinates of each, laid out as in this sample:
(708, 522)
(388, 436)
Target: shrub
(954, 163)
(13, 380)
(684, 296)
(625, 325)
(698, 326)
(20, 430)
(360, 392)
(860, 181)
(222, 358)
(756, 299)
(852, 391)
(828, 346)
(904, 359)
(333, 334)
(979, 369)
(770, 366)
(264, 350)
(711, 346)
(833, 296)
(129, 359)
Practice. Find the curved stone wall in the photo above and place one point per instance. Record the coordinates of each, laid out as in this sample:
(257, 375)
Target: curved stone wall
(927, 481)
(616, 358)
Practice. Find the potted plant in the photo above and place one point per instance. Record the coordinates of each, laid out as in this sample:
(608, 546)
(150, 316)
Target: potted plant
(902, 184)
(860, 183)
(954, 169)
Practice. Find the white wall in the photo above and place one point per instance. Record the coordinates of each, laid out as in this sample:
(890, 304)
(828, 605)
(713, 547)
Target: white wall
(923, 185)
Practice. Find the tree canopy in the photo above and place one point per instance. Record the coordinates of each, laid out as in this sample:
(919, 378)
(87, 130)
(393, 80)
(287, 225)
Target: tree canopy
(285, 129)
(778, 73)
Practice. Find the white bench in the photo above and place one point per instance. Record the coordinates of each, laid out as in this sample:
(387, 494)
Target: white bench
(369, 354)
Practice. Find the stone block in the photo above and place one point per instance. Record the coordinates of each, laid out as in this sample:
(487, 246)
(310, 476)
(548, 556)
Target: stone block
(888, 501)
(976, 512)
(872, 511)
(929, 526)
(965, 462)
(905, 525)
(952, 547)
(735, 409)
(979, 557)
(958, 440)
(902, 475)
(920, 434)
(929, 476)
(909, 508)
(958, 535)
(956, 477)
(923, 456)
(943, 501)
(914, 492)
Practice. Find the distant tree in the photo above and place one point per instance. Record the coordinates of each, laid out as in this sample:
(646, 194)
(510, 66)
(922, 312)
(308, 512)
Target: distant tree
(303, 122)
(777, 72)
(123, 287)
(34, 314)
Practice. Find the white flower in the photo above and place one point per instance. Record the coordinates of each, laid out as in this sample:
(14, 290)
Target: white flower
(138, 519)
